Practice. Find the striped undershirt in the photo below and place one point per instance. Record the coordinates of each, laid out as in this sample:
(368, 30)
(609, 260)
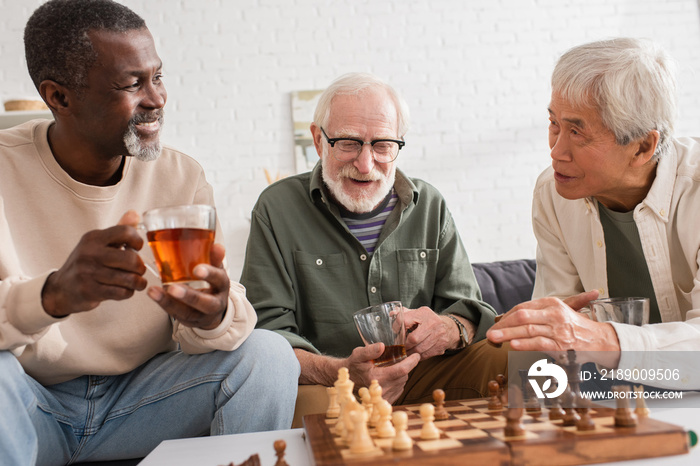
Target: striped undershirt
(368, 226)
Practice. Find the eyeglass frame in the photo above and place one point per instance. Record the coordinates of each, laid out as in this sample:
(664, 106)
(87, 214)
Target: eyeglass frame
(332, 141)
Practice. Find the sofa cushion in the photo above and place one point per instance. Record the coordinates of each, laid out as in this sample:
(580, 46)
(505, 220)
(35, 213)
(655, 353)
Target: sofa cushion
(505, 283)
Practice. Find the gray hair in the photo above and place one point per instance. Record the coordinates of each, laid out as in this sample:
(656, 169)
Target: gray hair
(353, 84)
(630, 82)
(56, 41)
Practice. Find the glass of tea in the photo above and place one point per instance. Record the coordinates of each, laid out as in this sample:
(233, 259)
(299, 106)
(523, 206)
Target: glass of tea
(180, 238)
(383, 323)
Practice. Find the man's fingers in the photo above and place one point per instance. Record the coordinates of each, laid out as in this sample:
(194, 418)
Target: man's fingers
(131, 218)
(580, 300)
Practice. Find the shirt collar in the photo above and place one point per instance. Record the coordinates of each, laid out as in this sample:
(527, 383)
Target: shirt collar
(660, 194)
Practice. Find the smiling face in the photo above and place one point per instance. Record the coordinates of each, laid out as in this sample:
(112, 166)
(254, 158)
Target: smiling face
(121, 110)
(362, 184)
(588, 162)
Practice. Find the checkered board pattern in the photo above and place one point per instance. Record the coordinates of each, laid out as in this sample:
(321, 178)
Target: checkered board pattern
(474, 435)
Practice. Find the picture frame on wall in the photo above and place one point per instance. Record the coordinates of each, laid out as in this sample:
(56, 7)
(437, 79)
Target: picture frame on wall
(303, 106)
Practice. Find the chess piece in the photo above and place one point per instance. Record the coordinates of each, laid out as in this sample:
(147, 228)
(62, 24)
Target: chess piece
(429, 430)
(514, 426)
(571, 417)
(641, 409)
(439, 398)
(624, 417)
(343, 386)
(365, 398)
(350, 406)
(375, 392)
(494, 400)
(280, 446)
(502, 387)
(583, 407)
(531, 403)
(360, 442)
(333, 410)
(402, 441)
(384, 427)
(555, 411)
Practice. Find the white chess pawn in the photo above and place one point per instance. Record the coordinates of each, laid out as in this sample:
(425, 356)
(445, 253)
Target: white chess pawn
(402, 441)
(427, 415)
(384, 427)
(360, 441)
(350, 406)
(365, 397)
(375, 392)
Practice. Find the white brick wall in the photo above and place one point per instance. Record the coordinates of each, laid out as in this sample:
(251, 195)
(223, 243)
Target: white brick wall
(475, 73)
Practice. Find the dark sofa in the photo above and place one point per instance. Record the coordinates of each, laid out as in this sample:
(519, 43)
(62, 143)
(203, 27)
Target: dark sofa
(505, 283)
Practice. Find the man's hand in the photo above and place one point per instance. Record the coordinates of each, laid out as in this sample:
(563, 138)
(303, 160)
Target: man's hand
(391, 378)
(429, 334)
(104, 265)
(550, 324)
(198, 308)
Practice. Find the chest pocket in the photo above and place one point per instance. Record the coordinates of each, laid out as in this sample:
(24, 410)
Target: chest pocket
(321, 278)
(417, 269)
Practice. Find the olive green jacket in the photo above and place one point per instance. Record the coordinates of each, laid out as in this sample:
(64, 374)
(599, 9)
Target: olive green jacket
(306, 273)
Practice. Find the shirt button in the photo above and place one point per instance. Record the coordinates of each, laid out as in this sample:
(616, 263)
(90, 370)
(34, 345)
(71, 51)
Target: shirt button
(373, 289)
(600, 291)
(319, 262)
(599, 243)
(422, 254)
(363, 257)
(662, 212)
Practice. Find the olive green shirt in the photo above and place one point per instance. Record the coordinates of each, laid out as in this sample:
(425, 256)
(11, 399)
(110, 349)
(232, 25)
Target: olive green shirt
(305, 273)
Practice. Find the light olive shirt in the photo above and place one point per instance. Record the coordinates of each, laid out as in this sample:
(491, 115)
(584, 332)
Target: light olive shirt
(305, 272)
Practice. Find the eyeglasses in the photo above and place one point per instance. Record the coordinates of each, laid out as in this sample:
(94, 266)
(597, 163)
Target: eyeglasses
(348, 149)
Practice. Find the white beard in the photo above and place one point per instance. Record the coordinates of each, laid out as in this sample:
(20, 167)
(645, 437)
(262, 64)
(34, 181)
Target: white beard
(136, 148)
(364, 203)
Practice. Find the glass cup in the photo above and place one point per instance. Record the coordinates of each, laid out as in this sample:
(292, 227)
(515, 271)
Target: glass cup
(180, 238)
(633, 311)
(383, 323)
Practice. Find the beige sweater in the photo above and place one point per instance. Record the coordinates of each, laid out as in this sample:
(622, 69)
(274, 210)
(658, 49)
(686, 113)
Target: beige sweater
(43, 214)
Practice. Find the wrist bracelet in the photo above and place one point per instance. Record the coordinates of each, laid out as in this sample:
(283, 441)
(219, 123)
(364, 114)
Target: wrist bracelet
(463, 335)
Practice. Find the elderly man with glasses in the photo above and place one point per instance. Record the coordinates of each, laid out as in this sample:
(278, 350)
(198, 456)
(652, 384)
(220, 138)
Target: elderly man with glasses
(355, 232)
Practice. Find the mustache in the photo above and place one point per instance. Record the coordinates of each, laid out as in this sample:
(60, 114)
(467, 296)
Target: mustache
(349, 171)
(147, 117)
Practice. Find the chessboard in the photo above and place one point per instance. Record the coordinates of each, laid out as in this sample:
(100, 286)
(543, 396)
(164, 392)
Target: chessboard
(473, 434)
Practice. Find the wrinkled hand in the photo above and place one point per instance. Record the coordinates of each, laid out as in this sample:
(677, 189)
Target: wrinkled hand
(550, 324)
(391, 378)
(427, 332)
(203, 308)
(104, 265)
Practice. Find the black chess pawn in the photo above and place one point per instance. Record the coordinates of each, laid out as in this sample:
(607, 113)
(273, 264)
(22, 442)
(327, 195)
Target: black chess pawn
(624, 417)
(555, 411)
(514, 426)
(571, 417)
(494, 400)
(583, 407)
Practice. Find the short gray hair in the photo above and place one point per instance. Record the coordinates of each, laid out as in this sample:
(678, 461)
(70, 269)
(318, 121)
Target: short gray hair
(56, 41)
(353, 84)
(630, 82)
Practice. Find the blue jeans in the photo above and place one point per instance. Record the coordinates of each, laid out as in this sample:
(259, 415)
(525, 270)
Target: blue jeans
(173, 395)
